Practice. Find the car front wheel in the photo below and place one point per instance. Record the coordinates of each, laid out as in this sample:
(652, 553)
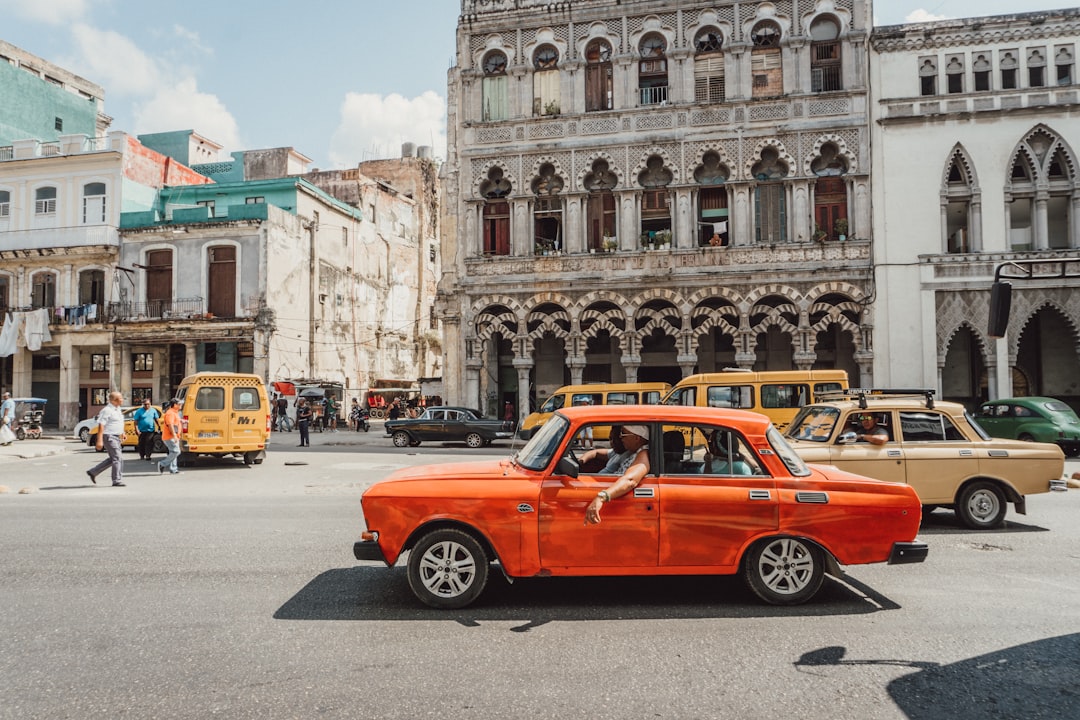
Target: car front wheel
(474, 440)
(84, 435)
(981, 506)
(447, 569)
(401, 439)
(784, 571)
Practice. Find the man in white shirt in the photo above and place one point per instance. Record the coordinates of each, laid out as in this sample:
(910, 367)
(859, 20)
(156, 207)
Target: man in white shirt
(109, 435)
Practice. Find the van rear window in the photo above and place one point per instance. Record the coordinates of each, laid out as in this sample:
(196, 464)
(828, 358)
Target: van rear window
(210, 398)
(245, 398)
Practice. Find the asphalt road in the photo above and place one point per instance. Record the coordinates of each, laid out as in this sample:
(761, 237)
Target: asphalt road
(232, 592)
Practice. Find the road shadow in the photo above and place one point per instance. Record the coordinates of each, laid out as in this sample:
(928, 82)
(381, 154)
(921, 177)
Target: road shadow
(945, 522)
(371, 592)
(1033, 680)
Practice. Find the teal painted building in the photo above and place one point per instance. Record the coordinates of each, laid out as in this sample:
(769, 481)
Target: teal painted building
(41, 101)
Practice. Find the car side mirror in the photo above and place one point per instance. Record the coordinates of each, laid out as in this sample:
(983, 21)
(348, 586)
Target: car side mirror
(567, 467)
(847, 438)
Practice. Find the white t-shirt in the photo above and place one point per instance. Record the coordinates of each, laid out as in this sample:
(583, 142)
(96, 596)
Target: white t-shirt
(111, 420)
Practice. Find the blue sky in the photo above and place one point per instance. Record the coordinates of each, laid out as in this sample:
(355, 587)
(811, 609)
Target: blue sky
(339, 80)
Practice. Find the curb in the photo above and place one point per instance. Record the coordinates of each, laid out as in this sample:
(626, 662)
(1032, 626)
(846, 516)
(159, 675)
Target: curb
(22, 451)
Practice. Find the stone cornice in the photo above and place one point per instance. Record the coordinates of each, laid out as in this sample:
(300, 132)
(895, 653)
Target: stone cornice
(996, 30)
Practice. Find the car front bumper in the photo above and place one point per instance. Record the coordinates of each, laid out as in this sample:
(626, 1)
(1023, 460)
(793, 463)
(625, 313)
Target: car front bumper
(908, 552)
(368, 550)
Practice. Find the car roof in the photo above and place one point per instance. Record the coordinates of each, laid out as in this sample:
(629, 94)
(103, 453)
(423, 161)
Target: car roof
(623, 414)
(1028, 400)
(887, 402)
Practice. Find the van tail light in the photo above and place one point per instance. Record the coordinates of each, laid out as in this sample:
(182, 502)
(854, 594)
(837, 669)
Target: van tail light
(267, 423)
(184, 424)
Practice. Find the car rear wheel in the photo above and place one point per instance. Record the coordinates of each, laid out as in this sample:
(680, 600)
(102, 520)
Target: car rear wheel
(1026, 438)
(981, 506)
(784, 571)
(447, 569)
(401, 439)
(474, 440)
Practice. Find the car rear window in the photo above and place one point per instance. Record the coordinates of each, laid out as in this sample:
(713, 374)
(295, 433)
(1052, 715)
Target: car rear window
(210, 398)
(246, 398)
(1057, 406)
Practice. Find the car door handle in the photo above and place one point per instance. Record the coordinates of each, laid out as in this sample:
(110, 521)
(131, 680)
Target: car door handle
(644, 492)
(893, 453)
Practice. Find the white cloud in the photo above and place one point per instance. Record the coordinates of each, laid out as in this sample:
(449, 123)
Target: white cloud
(180, 106)
(52, 12)
(192, 40)
(114, 61)
(375, 126)
(920, 16)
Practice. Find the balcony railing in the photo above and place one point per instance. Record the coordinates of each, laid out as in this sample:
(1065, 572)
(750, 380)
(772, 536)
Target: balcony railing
(654, 95)
(179, 309)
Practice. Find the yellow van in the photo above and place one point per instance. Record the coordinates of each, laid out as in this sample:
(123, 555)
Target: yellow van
(224, 414)
(649, 393)
(777, 394)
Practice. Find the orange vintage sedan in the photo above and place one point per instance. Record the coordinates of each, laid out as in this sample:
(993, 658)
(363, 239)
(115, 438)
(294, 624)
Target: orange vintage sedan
(724, 494)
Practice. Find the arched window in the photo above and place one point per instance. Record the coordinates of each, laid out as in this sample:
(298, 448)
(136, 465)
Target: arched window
(1008, 64)
(766, 63)
(825, 66)
(598, 76)
(93, 209)
(711, 175)
(495, 91)
(652, 70)
(957, 205)
(496, 213)
(600, 210)
(1040, 192)
(546, 95)
(5, 204)
(1036, 64)
(770, 201)
(159, 281)
(655, 201)
(708, 66)
(92, 287)
(954, 75)
(981, 71)
(927, 76)
(45, 201)
(830, 193)
(43, 290)
(547, 210)
(221, 280)
(5, 293)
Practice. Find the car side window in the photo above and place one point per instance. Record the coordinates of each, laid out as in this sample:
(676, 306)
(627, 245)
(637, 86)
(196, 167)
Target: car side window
(707, 450)
(926, 426)
(438, 414)
(1021, 411)
(685, 396)
(453, 415)
(731, 396)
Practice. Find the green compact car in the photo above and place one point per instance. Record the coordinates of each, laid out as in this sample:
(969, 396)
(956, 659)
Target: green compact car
(1039, 419)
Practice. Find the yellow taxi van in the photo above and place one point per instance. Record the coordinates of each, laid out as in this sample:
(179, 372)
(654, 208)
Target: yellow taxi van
(223, 414)
(777, 394)
(647, 393)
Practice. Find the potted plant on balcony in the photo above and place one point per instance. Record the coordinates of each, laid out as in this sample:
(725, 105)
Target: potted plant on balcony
(610, 244)
(819, 234)
(663, 240)
(841, 228)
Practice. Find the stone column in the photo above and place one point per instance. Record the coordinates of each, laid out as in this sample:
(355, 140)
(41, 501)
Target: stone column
(473, 367)
(190, 362)
(1042, 228)
(22, 373)
(122, 369)
(524, 368)
(576, 363)
(1074, 222)
(521, 240)
(683, 235)
(629, 228)
(574, 240)
(1008, 223)
(626, 96)
(944, 208)
(630, 364)
(975, 245)
(69, 382)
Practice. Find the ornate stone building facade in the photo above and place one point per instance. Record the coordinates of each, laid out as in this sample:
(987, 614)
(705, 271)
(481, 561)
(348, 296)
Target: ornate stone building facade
(645, 189)
(975, 132)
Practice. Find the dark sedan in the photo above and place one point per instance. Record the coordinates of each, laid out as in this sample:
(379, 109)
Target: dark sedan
(448, 424)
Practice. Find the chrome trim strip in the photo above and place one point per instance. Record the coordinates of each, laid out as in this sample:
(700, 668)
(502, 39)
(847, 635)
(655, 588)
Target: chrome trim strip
(760, 495)
(644, 492)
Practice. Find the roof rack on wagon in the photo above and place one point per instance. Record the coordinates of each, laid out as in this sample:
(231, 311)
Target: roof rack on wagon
(879, 393)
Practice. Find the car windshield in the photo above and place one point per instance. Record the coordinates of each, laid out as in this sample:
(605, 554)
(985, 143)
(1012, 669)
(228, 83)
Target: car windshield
(976, 427)
(1058, 407)
(813, 423)
(538, 452)
(794, 463)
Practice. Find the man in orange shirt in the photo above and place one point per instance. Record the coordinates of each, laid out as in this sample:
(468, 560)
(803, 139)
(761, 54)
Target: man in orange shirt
(170, 435)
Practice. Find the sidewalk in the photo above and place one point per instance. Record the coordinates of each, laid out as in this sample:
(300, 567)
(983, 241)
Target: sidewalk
(28, 449)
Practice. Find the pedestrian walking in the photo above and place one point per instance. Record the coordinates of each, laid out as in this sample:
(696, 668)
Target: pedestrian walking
(395, 409)
(146, 424)
(303, 421)
(170, 435)
(110, 432)
(331, 411)
(7, 419)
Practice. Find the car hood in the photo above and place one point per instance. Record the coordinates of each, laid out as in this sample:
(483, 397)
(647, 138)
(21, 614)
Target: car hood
(473, 470)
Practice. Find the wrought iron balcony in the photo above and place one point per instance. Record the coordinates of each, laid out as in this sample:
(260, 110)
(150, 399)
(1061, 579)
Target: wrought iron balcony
(179, 309)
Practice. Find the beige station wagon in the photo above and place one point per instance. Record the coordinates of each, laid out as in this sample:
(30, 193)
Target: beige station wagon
(935, 447)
